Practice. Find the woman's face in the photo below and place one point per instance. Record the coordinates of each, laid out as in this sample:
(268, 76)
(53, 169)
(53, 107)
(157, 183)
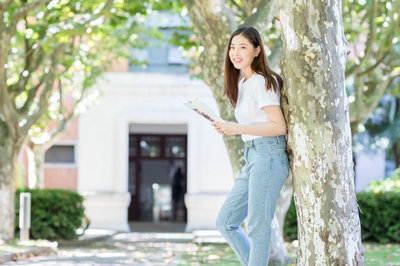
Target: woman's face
(242, 52)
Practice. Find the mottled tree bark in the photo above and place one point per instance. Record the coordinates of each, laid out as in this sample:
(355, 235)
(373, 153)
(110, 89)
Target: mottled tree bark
(7, 190)
(38, 156)
(319, 137)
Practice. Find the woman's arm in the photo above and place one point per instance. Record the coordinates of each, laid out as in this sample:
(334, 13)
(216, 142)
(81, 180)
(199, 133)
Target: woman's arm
(275, 127)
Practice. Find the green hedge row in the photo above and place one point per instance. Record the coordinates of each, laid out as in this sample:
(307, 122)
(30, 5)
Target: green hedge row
(55, 213)
(379, 216)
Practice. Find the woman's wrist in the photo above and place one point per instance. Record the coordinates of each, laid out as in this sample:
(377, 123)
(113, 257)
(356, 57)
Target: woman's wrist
(239, 129)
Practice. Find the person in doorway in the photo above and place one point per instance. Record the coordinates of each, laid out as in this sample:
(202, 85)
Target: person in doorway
(176, 192)
(256, 100)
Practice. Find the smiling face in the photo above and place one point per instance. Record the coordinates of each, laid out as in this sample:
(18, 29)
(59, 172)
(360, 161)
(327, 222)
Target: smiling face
(242, 53)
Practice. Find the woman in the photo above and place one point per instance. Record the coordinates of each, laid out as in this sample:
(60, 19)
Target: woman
(256, 99)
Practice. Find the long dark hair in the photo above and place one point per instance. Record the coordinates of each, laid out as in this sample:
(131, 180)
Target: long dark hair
(259, 65)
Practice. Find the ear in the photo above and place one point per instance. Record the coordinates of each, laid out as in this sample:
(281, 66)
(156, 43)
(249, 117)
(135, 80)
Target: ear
(257, 51)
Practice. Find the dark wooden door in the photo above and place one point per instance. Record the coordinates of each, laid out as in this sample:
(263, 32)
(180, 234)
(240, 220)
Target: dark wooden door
(154, 159)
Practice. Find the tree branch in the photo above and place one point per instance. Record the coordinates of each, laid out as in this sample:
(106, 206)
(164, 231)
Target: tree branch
(262, 18)
(238, 6)
(213, 20)
(249, 5)
(55, 59)
(36, 58)
(383, 57)
(4, 5)
(21, 12)
(372, 32)
(31, 97)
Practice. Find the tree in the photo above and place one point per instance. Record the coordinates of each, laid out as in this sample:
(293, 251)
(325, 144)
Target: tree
(319, 138)
(372, 29)
(41, 43)
(93, 56)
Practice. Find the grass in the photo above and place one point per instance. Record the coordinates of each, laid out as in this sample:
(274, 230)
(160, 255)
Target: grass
(221, 254)
(381, 254)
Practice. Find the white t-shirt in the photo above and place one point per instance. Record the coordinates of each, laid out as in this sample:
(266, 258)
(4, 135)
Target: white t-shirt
(252, 96)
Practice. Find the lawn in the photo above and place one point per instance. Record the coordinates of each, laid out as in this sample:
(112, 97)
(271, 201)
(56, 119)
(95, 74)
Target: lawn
(221, 254)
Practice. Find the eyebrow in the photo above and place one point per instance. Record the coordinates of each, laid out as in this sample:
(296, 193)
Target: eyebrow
(240, 43)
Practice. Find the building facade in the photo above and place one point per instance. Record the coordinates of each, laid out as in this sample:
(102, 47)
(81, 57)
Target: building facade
(138, 136)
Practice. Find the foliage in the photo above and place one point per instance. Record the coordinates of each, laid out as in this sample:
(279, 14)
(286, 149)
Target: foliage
(389, 184)
(55, 213)
(381, 128)
(371, 27)
(379, 216)
(290, 224)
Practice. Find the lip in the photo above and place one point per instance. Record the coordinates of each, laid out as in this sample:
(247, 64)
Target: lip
(237, 60)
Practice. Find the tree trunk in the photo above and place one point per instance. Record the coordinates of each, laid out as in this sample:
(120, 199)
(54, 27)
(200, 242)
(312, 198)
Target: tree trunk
(8, 160)
(319, 138)
(38, 156)
(278, 254)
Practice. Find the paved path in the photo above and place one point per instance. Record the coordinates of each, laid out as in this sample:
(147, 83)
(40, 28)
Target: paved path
(120, 249)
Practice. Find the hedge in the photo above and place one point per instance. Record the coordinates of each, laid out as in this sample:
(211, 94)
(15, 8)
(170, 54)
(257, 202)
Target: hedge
(379, 215)
(55, 213)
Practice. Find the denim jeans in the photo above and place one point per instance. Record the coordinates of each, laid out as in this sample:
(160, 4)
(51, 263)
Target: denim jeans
(255, 194)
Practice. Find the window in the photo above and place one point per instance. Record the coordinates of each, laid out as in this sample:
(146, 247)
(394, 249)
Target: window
(60, 154)
(175, 147)
(150, 146)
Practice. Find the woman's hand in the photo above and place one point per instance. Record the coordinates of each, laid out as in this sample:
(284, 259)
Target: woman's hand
(228, 128)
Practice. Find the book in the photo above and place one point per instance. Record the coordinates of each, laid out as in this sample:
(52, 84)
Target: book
(202, 109)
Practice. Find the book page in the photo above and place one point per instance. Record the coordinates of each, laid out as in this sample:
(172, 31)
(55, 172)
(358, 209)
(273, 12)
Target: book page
(202, 109)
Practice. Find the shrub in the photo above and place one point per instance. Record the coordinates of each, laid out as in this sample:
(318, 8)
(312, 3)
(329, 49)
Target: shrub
(290, 225)
(391, 183)
(55, 213)
(379, 215)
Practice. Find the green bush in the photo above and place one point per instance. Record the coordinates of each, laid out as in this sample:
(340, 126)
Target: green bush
(379, 216)
(55, 213)
(391, 183)
(290, 225)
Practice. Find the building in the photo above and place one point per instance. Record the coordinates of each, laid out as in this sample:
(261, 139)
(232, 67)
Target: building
(137, 136)
(124, 152)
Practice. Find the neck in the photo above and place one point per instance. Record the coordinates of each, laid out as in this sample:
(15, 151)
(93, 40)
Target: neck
(247, 73)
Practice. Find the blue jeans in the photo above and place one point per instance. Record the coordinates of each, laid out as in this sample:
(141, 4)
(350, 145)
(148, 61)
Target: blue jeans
(255, 194)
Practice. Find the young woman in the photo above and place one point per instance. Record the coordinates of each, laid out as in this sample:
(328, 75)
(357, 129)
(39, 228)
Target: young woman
(256, 99)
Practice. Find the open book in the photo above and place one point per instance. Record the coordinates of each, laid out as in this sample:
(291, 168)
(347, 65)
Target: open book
(203, 110)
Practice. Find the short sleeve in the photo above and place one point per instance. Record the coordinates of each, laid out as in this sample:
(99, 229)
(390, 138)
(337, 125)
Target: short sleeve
(264, 97)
